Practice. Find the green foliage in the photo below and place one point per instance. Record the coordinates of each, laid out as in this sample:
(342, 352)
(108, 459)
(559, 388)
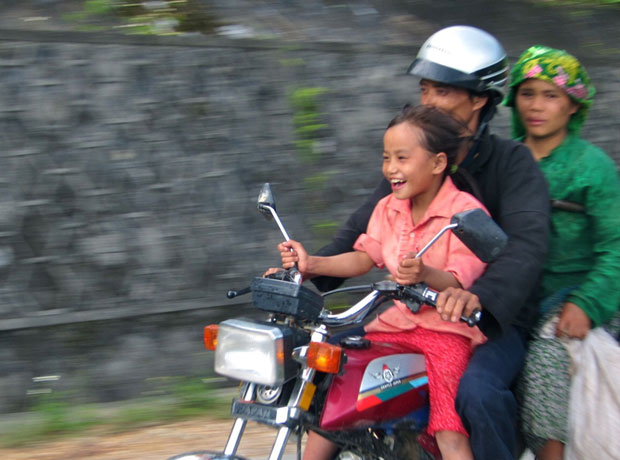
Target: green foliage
(193, 397)
(98, 7)
(305, 99)
(132, 16)
(583, 4)
(59, 417)
(315, 181)
(322, 230)
(292, 62)
(54, 415)
(306, 119)
(325, 228)
(589, 2)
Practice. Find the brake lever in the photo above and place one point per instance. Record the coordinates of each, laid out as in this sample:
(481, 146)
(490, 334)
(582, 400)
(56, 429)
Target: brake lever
(413, 306)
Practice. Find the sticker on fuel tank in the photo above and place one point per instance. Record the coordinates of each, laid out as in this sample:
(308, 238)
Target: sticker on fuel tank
(390, 376)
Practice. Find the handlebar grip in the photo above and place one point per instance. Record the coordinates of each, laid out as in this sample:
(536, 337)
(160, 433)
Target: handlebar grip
(429, 297)
(233, 294)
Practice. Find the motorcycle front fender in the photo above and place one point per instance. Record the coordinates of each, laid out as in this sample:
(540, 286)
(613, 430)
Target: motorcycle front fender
(205, 455)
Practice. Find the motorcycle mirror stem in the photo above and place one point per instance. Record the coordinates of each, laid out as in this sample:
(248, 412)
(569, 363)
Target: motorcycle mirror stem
(435, 238)
(477, 231)
(266, 204)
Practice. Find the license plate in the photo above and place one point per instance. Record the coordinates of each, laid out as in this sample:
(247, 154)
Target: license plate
(258, 412)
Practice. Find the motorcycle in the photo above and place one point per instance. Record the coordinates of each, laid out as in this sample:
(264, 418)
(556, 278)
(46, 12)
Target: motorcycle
(371, 399)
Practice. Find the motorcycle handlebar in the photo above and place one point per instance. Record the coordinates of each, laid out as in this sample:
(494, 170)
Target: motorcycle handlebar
(233, 294)
(413, 296)
(423, 294)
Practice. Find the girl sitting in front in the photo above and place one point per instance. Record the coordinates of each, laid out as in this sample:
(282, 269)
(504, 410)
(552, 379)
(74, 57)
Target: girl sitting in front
(420, 147)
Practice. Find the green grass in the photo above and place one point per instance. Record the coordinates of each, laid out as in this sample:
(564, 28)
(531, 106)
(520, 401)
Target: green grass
(586, 4)
(53, 416)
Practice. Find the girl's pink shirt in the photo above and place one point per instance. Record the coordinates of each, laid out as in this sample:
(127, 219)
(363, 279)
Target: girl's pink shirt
(391, 235)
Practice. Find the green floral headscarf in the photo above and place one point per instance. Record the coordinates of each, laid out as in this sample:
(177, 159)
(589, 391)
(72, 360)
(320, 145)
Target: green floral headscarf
(557, 67)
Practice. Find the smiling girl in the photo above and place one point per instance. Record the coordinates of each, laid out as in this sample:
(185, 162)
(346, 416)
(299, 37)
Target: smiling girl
(550, 95)
(420, 147)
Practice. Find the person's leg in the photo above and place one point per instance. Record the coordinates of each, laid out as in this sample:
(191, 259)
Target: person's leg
(552, 450)
(446, 356)
(319, 448)
(485, 401)
(543, 390)
(454, 446)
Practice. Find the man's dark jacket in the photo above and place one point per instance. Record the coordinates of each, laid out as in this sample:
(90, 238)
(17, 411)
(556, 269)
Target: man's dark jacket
(512, 187)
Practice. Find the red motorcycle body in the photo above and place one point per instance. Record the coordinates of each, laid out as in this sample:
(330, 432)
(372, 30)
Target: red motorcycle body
(379, 383)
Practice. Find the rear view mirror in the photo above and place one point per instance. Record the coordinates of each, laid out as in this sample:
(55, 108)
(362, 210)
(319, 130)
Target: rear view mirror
(480, 234)
(266, 202)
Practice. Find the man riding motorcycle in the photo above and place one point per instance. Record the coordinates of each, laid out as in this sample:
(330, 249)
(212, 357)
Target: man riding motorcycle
(462, 70)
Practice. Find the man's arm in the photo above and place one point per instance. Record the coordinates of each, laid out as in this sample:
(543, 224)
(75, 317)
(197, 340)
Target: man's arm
(523, 213)
(347, 235)
(515, 191)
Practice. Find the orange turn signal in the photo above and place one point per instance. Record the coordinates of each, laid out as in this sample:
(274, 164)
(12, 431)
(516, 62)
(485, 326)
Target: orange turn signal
(324, 357)
(209, 336)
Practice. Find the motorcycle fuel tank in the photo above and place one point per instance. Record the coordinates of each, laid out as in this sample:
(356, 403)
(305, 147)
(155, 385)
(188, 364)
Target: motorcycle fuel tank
(383, 382)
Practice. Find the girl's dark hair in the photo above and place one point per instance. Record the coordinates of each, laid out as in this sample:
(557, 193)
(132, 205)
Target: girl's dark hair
(440, 132)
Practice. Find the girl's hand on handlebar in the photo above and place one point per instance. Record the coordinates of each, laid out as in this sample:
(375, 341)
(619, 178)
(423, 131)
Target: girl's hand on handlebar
(271, 271)
(411, 270)
(454, 302)
(292, 252)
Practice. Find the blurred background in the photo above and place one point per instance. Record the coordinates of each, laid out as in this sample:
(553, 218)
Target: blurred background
(135, 136)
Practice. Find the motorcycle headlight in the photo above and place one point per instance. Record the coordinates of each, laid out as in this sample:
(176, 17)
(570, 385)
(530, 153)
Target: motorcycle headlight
(254, 352)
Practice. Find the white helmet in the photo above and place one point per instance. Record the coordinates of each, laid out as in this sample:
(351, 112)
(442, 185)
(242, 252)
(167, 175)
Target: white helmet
(465, 57)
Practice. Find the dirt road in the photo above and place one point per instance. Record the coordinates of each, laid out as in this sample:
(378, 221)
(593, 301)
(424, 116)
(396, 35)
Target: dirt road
(157, 442)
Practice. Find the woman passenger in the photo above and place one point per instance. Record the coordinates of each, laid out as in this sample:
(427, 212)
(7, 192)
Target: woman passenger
(550, 94)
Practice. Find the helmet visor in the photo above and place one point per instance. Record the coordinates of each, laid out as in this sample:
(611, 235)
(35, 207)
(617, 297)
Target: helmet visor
(487, 79)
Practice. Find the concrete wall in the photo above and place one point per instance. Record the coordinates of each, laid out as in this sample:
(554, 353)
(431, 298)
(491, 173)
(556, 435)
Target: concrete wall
(129, 174)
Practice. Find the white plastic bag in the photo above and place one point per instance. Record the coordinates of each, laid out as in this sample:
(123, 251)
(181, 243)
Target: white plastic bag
(594, 410)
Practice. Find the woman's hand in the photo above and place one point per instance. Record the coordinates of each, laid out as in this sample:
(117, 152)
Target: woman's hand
(574, 323)
(292, 252)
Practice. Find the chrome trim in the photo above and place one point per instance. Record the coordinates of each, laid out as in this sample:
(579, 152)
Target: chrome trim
(355, 314)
